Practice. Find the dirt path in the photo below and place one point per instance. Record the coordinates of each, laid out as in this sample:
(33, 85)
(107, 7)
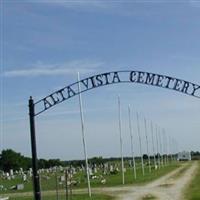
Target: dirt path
(168, 187)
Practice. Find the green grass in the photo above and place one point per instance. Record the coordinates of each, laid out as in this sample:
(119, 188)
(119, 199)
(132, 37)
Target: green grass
(8, 183)
(193, 190)
(111, 180)
(74, 197)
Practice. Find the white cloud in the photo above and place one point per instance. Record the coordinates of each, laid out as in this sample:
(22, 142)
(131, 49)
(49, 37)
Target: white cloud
(83, 5)
(68, 68)
(194, 3)
(110, 7)
(78, 3)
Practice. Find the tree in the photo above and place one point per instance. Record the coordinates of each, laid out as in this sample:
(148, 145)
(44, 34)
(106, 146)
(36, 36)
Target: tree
(54, 162)
(145, 156)
(10, 159)
(96, 160)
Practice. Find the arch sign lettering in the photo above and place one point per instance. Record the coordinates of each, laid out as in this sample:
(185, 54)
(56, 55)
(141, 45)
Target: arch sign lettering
(117, 77)
(96, 81)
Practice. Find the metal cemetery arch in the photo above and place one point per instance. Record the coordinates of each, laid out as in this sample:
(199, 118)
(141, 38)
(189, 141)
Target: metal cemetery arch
(95, 81)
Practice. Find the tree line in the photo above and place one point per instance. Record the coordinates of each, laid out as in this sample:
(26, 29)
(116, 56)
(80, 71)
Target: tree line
(9, 159)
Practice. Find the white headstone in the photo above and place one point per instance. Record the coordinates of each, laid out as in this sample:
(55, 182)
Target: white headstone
(24, 177)
(11, 172)
(62, 178)
(20, 186)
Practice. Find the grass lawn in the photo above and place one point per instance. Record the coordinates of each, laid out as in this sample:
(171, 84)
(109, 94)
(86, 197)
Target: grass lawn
(74, 197)
(111, 180)
(193, 190)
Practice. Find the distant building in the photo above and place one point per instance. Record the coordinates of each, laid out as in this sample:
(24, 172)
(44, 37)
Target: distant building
(184, 156)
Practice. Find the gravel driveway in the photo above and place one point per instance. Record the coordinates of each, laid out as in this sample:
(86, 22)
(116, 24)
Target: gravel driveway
(168, 187)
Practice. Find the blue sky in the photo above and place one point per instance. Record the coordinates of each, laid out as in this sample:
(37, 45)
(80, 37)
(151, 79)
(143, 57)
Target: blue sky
(44, 44)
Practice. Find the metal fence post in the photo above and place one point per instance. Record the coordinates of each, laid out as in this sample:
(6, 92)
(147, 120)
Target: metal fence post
(36, 181)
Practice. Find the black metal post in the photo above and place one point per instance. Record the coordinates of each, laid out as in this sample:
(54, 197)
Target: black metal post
(56, 177)
(66, 185)
(36, 181)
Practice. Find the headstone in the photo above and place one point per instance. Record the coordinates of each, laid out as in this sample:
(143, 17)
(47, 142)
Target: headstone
(21, 171)
(54, 169)
(11, 172)
(95, 170)
(95, 177)
(103, 181)
(62, 178)
(111, 168)
(130, 163)
(73, 170)
(90, 171)
(60, 168)
(30, 172)
(20, 186)
(8, 177)
(24, 177)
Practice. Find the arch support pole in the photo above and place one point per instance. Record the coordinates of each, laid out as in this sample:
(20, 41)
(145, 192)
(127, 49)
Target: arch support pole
(36, 181)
